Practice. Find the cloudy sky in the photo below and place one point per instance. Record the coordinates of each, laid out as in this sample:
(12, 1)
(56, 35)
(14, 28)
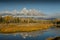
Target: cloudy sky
(47, 7)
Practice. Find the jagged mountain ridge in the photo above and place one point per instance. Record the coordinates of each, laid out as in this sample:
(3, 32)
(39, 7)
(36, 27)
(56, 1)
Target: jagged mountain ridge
(23, 12)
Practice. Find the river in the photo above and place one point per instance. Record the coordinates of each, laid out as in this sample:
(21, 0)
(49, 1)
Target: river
(36, 35)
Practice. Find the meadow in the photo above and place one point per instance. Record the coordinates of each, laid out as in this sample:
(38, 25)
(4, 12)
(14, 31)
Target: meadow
(9, 24)
(12, 28)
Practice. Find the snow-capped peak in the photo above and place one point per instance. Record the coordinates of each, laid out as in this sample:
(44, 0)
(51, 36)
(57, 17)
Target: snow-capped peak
(31, 12)
(24, 10)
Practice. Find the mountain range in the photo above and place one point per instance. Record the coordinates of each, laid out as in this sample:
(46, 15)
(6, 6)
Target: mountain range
(23, 12)
(28, 13)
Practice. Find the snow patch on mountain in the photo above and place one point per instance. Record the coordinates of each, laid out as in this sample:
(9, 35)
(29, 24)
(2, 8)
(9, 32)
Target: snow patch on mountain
(23, 12)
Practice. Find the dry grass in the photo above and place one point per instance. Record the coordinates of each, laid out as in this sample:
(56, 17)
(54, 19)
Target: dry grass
(11, 28)
(49, 38)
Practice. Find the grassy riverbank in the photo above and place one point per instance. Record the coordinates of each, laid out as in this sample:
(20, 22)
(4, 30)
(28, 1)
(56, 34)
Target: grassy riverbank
(13, 28)
(55, 38)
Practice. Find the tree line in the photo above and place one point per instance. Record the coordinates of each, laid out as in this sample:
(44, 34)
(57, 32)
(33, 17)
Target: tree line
(11, 19)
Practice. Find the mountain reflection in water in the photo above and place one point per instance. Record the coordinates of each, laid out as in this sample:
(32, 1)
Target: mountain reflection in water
(35, 35)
